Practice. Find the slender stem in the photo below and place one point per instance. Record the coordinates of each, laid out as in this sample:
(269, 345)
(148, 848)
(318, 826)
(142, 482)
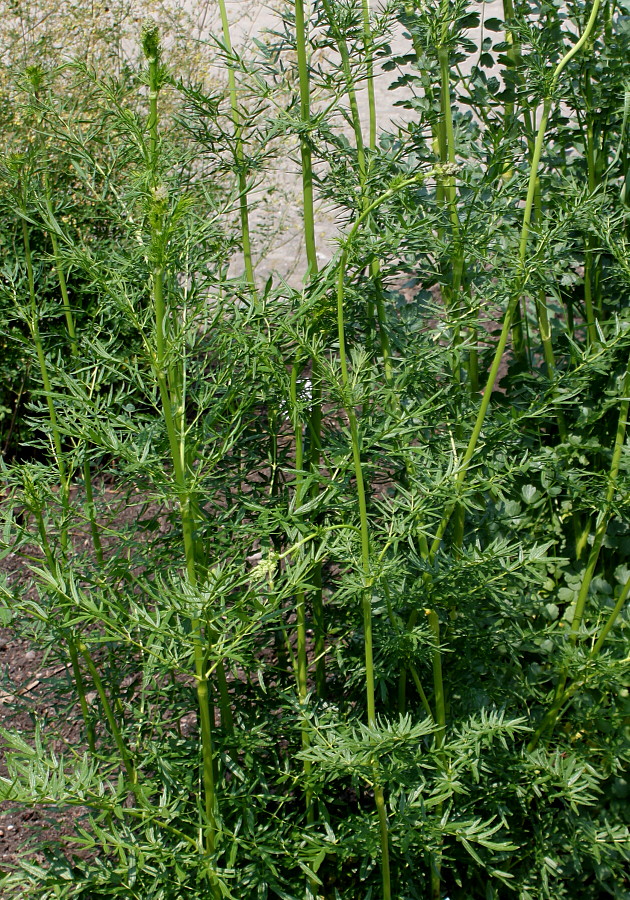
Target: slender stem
(551, 716)
(80, 685)
(240, 156)
(302, 661)
(169, 380)
(109, 715)
(366, 593)
(423, 697)
(604, 517)
(305, 146)
(591, 279)
(315, 423)
(355, 116)
(64, 481)
(440, 720)
(36, 508)
(447, 155)
(521, 280)
(565, 694)
(369, 67)
(612, 618)
(438, 683)
(513, 56)
(74, 349)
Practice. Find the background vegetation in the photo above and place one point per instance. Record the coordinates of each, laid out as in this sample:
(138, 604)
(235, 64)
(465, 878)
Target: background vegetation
(336, 569)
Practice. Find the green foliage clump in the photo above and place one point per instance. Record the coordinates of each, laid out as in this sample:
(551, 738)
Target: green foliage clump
(337, 569)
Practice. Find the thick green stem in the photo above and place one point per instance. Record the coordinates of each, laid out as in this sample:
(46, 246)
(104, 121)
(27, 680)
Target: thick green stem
(170, 394)
(305, 146)
(239, 154)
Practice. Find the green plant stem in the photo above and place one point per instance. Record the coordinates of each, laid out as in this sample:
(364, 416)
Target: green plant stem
(243, 189)
(302, 661)
(74, 348)
(440, 720)
(604, 517)
(612, 618)
(453, 294)
(355, 116)
(447, 155)
(521, 280)
(592, 296)
(80, 686)
(64, 481)
(515, 59)
(566, 694)
(176, 438)
(305, 146)
(366, 593)
(369, 67)
(315, 423)
(513, 56)
(111, 719)
(366, 598)
(551, 716)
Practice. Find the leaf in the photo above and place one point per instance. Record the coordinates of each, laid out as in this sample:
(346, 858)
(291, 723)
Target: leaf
(530, 493)
(493, 24)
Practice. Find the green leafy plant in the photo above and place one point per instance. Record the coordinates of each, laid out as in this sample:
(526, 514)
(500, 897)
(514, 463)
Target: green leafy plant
(340, 623)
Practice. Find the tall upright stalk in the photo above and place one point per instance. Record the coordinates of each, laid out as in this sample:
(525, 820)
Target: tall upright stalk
(514, 59)
(239, 153)
(366, 592)
(170, 389)
(305, 146)
(369, 67)
(355, 117)
(315, 418)
(592, 293)
(302, 659)
(520, 281)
